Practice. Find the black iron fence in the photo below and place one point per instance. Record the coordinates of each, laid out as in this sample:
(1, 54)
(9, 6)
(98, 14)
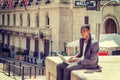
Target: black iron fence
(20, 71)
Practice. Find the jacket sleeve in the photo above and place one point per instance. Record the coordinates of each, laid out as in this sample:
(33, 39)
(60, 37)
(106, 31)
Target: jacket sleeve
(93, 55)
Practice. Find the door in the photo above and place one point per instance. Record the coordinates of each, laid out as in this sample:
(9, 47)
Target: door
(46, 47)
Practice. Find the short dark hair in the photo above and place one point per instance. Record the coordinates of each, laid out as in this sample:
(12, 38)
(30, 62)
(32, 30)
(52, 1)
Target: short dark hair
(87, 26)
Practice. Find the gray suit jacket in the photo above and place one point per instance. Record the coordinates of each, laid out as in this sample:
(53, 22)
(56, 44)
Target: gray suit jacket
(90, 60)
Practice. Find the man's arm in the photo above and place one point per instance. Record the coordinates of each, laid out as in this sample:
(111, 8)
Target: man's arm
(94, 55)
(75, 57)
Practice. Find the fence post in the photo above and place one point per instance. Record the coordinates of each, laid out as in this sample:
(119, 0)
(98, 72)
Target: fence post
(22, 73)
(35, 61)
(40, 71)
(35, 71)
(8, 69)
(43, 70)
(20, 68)
(30, 71)
(13, 68)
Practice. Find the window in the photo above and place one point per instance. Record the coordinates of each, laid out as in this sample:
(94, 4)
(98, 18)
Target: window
(86, 20)
(4, 4)
(47, 1)
(30, 0)
(15, 3)
(36, 47)
(14, 19)
(29, 3)
(36, 44)
(37, 20)
(28, 43)
(8, 40)
(21, 20)
(28, 20)
(38, 2)
(47, 20)
(3, 39)
(8, 19)
(3, 19)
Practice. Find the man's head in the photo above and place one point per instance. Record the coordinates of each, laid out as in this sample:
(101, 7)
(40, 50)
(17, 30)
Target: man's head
(85, 31)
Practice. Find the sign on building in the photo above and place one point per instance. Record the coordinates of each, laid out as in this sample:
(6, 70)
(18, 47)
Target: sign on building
(90, 4)
(80, 3)
(93, 5)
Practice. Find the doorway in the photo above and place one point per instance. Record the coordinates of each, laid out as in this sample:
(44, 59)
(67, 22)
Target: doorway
(110, 26)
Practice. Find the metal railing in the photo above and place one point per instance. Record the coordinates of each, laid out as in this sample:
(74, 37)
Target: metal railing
(20, 71)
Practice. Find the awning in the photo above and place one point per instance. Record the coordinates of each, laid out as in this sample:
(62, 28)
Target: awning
(106, 40)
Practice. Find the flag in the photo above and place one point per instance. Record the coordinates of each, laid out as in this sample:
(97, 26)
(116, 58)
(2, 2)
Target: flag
(25, 2)
(1, 2)
(10, 4)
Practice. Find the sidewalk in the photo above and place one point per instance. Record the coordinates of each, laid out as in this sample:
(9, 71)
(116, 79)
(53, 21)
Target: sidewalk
(38, 78)
(5, 77)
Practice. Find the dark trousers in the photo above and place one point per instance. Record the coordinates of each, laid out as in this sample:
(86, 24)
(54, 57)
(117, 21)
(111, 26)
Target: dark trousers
(64, 70)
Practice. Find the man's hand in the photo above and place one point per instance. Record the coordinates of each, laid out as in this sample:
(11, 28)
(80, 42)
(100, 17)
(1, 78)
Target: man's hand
(73, 59)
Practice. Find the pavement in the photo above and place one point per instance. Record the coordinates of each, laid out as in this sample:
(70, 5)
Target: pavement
(5, 77)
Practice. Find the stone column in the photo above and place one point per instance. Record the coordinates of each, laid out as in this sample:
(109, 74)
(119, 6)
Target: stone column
(97, 34)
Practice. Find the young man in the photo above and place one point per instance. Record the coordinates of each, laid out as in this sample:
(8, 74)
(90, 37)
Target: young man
(86, 59)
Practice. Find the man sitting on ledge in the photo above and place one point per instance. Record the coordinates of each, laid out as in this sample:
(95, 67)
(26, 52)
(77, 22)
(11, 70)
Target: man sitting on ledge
(86, 59)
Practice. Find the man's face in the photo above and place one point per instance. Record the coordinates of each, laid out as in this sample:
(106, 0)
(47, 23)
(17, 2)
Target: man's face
(85, 32)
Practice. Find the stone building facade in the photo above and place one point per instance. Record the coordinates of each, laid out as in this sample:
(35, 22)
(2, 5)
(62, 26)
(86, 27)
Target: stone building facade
(19, 28)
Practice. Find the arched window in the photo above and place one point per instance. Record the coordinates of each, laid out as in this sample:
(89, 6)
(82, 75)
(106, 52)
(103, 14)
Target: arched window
(3, 19)
(8, 19)
(37, 20)
(110, 26)
(21, 20)
(86, 20)
(14, 19)
(28, 20)
(47, 20)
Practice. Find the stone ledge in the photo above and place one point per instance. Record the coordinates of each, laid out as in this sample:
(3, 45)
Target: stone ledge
(110, 69)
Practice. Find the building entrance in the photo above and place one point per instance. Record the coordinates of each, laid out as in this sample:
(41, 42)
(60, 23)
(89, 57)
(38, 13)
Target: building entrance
(110, 26)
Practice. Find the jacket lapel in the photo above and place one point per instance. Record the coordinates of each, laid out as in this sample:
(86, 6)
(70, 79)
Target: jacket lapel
(88, 45)
(81, 46)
